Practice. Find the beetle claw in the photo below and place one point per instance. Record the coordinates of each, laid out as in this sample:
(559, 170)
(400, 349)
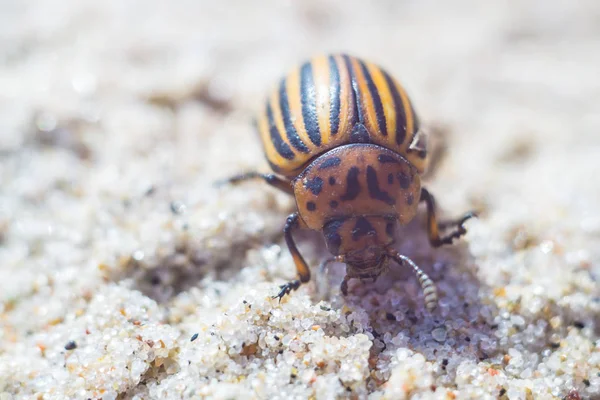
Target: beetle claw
(468, 216)
(286, 289)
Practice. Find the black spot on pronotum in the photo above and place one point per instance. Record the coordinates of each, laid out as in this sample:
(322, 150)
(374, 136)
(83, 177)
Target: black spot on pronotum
(386, 158)
(390, 178)
(362, 228)
(374, 191)
(311, 206)
(403, 179)
(315, 185)
(331, 180)
(330, 162)
(359, 134)
(410, 199)
(352, 185)
(333, 204)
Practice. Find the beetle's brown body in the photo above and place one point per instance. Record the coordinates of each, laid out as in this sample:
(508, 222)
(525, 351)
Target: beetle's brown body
(346, 140)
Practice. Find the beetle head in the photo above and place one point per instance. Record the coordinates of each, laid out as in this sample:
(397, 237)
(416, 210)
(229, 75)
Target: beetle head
(362, 241)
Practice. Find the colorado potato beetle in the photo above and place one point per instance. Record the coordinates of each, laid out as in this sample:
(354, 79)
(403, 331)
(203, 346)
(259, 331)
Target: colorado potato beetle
(342, 137)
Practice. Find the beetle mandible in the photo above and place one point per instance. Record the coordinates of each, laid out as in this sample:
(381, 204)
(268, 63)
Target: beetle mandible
(342, 137)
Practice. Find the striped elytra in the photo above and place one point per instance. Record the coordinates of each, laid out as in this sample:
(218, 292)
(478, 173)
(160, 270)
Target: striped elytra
(342, 137)
(333, 100)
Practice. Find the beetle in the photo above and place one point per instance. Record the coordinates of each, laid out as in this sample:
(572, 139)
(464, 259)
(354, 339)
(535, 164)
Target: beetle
(342, 137)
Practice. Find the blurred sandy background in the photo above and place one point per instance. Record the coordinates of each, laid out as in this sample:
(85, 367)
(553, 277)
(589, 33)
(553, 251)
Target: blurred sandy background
(116, 117)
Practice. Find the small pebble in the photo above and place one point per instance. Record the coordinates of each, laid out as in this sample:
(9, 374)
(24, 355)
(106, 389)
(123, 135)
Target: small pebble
(177, 207)
(71, 345)
(439, 334)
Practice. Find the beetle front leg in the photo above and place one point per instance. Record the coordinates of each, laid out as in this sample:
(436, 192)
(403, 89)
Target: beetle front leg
(301, 266)
(434, 227)
(273, 180)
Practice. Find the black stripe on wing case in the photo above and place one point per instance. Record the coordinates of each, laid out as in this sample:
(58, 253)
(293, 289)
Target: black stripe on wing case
(282, 148)
(399, 109)
(376, 99)
(308, 97)
(334, 96)
(357, 111)
(290, 130)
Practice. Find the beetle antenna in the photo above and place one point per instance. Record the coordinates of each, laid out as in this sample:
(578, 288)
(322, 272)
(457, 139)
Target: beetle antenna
(427, 285)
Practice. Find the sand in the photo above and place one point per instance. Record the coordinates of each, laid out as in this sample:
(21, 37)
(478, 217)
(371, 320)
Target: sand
(125, 273)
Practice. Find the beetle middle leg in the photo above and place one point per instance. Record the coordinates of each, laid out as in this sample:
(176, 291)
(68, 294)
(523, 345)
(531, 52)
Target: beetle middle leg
(434, 227)
(271, 179)
(301, 266)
